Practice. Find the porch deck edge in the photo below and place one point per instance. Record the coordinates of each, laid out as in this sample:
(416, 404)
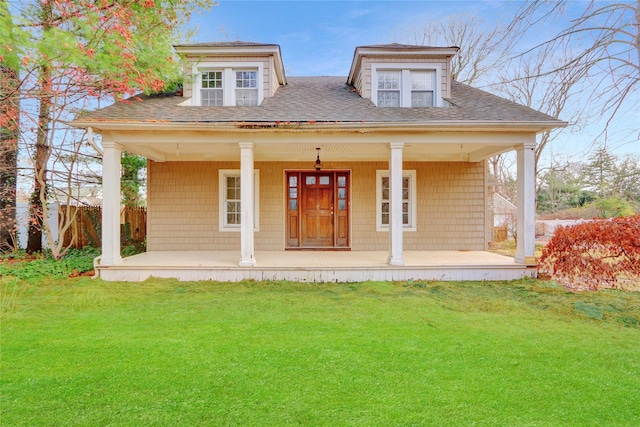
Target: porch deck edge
(319, 274)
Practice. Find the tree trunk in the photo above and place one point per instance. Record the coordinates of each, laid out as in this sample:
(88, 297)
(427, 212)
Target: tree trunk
(41, 156)
(9, 130)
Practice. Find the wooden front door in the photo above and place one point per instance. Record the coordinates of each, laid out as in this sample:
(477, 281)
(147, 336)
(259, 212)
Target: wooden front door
(318, 209)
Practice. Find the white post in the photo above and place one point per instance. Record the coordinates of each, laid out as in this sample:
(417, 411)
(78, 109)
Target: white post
(247, 258)
(395, 204)
(111, 203)
(526, 222)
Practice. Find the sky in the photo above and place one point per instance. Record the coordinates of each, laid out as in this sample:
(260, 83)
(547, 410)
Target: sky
(319, 38)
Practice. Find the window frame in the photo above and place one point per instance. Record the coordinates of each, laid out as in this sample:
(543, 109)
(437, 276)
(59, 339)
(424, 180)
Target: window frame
(242, 88)
(222, 200)
(220, 89)
(228, 80)
(405, 70)
(413, 203)
(397, 90)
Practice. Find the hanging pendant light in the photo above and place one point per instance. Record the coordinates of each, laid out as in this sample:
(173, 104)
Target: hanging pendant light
(318, 164)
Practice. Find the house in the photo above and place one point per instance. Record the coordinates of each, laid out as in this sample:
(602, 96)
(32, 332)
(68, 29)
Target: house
(379, 175)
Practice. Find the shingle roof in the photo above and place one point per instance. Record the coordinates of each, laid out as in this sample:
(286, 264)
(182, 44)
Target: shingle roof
(324, 100)
(237, 43)
(404, 46)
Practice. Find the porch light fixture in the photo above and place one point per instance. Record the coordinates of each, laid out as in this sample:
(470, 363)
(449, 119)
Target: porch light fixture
(318, 164)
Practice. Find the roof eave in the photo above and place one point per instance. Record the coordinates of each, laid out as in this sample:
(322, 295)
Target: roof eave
(361, 51)
(257, 50)
(311, 126)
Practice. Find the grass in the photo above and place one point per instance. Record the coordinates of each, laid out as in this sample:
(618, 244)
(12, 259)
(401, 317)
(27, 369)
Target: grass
(161, 352)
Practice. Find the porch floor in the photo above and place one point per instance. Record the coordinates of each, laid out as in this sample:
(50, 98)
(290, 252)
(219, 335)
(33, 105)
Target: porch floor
(318, 266)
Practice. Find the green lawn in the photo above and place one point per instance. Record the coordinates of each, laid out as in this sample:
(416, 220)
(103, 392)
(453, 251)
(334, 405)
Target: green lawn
(162, 352)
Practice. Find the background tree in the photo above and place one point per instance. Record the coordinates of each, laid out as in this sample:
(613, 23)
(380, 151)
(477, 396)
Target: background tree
(599, 174)
(77, 53)
(614, 183)
(560, 188)
(605, 42)
(587, 69)
(131, 179)
(9, 129)
(628, 179)
(535, 81)
(482, 46)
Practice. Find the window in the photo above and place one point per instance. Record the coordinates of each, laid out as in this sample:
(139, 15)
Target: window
(421, 89)
(405, 87)
(246, 88)
(211, 92)
(408, 200)
(220, 84)
(229, 200)
(389, 89)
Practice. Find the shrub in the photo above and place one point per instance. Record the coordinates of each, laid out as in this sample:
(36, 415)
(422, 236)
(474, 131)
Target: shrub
(613, 207)
(75, 261)
(595, 254)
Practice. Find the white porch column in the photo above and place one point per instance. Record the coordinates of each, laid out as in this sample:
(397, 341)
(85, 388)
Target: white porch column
(247, 258)
(526, 218)
(395, 204)
(111, 203)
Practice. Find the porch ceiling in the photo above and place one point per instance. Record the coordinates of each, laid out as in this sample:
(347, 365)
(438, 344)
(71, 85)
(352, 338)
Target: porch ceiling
(434, 146)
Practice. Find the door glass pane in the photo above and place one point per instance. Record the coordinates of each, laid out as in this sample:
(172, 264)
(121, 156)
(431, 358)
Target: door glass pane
(293, 205)
(342, 205)
(293, 193)
(342, 193)
(342, 181)
(311, 180)
(324, 180)
(293, 181)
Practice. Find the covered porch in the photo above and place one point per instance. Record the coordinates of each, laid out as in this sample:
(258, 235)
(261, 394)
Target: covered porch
(318, 266)
(419, 150)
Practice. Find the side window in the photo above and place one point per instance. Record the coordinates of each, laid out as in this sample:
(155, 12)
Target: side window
(229, 199)
(408, 200)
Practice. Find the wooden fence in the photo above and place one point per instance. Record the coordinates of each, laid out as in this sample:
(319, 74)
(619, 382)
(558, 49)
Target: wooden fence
(86, 226)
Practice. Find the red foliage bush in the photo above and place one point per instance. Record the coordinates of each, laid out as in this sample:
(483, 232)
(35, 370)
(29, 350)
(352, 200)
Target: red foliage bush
(595, 254)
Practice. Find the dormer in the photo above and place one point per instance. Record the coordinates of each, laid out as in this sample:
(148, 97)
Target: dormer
(226, 74)
(397, 75)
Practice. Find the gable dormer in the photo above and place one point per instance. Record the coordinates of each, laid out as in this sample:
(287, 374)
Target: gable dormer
(396, 75)
(228, 74)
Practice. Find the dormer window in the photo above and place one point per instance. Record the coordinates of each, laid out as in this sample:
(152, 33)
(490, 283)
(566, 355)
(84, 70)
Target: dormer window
(422, 85)
(404, 87)
(211, 93)
(389, 89)
(228, 84)
(246, 88)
